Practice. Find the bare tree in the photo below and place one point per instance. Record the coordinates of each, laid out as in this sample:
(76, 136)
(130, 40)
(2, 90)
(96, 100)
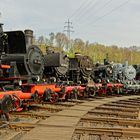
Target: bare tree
(61, 40)
(51, 39)
(79, 44)
(41, 40)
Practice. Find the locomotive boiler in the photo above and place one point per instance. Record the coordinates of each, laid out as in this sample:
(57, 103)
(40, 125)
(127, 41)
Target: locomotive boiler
(25, 59)
(114, 72)
(124, 72)
(102, 73)
(117, 73)
(127, 75)
(80, 68)
(56, 65)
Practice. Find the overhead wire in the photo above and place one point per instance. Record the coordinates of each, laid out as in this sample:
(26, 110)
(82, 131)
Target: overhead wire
(96, 11)
(100, 9)
(111, 11)
(85, 7)
(82, 9)
(78, 9)
(89, 7)
(106, 14)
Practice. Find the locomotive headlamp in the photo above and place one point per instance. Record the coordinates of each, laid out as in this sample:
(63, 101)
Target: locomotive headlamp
(99, 80)
(107, 80)
(20, 82)
(119, 80)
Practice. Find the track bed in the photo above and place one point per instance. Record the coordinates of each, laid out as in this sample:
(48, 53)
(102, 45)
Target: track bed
(102, 119)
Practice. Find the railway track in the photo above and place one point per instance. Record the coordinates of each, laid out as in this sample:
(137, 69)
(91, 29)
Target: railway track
(116, 120)
(24, 121)
(112, 118)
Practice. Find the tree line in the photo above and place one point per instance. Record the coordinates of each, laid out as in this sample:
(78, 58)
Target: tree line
(97, 51)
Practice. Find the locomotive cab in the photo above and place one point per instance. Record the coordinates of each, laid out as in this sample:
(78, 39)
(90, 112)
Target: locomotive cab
(16, 42)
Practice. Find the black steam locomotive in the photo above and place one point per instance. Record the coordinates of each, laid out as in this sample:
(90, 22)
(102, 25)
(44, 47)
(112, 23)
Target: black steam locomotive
(63, 68)
(56, 66)
(27, 61)
(16, 49)
(113, 72)
(80, 68)
(117, 73)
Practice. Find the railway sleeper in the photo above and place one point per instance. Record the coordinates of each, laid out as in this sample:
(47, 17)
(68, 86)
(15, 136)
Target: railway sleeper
(109, 113)
(117, 109)
(33, 115)
(122, 105)
(116, 132)
(99, 137)
(130, 122)
(128, 103)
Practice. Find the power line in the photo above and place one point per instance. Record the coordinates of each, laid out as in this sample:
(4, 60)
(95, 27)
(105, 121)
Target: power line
(88, 7)
(78, 9)
(83, 8)
(111, 11)
(91, 6)
(98, 10)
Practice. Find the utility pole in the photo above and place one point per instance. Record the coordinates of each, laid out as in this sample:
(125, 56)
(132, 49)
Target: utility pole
(68, 28)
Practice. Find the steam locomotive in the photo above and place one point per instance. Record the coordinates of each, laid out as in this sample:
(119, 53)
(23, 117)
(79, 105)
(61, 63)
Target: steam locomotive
(80, 68)
(117, 73)
(19, 60)
(56, 66)
(63, 68)
(25, 60)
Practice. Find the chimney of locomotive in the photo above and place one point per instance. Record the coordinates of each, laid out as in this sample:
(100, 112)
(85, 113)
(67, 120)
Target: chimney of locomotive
(126, 63)
(3, 39)
(28, 37)
(78, 55)
(1, 29)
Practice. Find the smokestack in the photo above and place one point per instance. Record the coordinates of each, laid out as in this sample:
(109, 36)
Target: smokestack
(1, 29)
(28, 37)
(1, 39)
(78, 55)
(126, 63)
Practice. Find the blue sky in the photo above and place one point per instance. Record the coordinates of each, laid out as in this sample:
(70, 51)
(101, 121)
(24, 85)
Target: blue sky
(121, 27)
